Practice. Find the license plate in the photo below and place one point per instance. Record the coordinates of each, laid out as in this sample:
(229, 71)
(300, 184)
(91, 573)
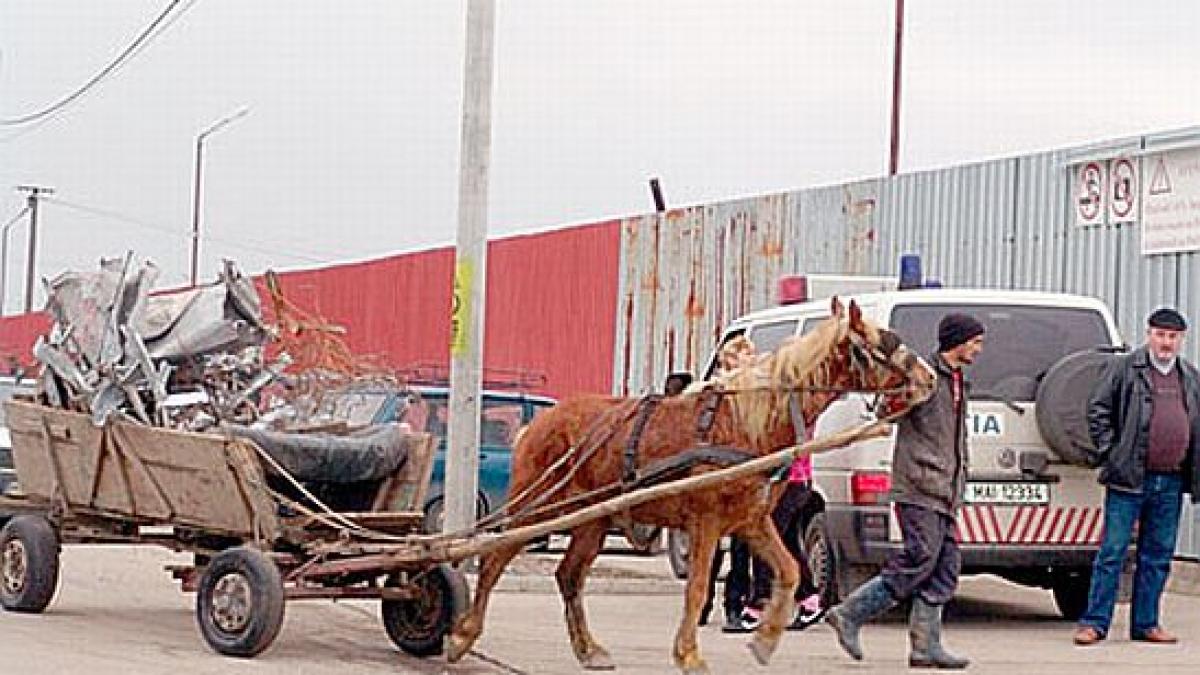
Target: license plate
(1008, 493)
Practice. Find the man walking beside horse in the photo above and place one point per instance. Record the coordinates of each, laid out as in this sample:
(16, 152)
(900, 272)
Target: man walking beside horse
(929, 473)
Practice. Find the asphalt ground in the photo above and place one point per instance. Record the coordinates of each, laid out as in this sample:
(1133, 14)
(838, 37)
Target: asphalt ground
(117, 612)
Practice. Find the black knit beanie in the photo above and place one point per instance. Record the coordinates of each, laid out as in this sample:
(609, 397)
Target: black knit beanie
(955, 329)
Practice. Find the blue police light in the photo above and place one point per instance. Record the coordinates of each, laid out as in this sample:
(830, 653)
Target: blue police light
(910, 271)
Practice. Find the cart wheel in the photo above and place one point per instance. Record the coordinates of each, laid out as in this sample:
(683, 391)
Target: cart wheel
(418, 626)
(28, 564)
(240, 601)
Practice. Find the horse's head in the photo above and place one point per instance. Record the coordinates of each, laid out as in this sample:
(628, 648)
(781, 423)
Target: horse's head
(874, 359)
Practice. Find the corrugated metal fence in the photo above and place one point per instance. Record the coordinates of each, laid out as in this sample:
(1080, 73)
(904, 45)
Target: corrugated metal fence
(1006, 224)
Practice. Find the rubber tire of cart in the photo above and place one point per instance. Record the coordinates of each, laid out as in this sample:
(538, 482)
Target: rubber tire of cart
(266, 607)
(419, 627)
(38, 541)
(679, 552)
(435, 513)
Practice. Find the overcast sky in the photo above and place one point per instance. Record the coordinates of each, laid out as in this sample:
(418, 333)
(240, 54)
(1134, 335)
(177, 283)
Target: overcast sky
(350, 149)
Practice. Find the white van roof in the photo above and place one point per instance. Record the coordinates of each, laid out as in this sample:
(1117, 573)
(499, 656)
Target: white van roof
(884, 302)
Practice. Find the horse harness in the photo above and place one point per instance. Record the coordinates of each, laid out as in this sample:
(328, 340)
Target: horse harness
(667, 468)
(861, 357)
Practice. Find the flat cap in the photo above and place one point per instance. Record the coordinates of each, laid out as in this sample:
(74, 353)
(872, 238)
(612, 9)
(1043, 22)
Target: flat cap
(1165, 317)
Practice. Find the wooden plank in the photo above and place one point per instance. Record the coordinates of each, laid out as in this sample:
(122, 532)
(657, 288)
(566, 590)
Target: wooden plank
(406, 489)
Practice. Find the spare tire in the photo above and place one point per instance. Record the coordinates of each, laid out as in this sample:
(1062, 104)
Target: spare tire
(1062, 402)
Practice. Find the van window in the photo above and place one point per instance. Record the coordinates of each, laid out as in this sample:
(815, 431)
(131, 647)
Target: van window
(712, 359)
(768, 336)
(1020, 346)
(811, 323)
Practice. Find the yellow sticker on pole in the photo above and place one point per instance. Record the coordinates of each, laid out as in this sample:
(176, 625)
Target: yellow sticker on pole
(460, 309)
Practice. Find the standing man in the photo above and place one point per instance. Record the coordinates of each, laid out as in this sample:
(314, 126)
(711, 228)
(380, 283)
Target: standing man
(1144, 418)
(929, 476)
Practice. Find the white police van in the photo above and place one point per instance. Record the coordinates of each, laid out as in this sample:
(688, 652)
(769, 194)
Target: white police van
(1032, 514)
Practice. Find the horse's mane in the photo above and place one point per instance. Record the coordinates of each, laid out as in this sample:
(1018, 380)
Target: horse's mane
(765, 384)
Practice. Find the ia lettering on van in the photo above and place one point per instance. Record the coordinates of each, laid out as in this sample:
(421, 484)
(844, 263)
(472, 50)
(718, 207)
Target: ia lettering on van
(984, 424)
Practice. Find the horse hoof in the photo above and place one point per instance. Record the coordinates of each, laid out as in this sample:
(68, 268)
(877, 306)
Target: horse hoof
(598, 661)
(762, 650)
(457, 647)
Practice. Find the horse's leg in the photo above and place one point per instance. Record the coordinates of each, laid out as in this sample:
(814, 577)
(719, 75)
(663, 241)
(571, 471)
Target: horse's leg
(765, 542)
(468, 629)
(702, 538)
(571, 574)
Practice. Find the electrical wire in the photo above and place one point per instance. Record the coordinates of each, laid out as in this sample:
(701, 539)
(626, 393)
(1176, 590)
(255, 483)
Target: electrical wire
(147, 35)
(131, 220)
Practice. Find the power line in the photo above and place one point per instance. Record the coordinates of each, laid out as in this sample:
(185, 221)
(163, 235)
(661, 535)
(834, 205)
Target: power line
(131, 220)
(148, 34)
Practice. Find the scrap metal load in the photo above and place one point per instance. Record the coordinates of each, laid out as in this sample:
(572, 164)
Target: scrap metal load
(197, 360)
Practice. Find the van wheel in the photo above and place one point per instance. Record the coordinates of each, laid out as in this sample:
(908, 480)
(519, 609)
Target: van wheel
(679, 552)
(1071, 593)
(645, 539)
(821, 560)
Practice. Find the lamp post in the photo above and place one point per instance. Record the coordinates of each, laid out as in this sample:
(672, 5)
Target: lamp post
(4, 256)
(212, 129)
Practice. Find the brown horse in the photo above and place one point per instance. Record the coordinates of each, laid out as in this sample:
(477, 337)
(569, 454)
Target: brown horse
(575, 454)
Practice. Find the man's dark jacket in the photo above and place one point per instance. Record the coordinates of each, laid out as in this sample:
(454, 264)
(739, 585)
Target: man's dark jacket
(1119, 422)
(929, 465)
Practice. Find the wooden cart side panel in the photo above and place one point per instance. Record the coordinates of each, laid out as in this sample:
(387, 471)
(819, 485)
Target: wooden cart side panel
(149, 474)
(406, 489)
(70, 450)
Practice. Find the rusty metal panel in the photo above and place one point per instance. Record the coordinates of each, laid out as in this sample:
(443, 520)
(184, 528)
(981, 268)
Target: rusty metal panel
(684, 275)
(836, 229)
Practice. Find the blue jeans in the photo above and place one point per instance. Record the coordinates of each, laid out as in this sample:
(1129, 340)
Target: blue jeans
(1156, 510)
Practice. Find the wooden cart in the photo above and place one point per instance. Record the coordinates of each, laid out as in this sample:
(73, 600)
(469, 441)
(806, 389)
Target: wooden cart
(208, 494)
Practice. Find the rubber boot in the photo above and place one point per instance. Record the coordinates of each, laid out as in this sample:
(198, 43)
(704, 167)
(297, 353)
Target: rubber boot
(925, 631)
(869, 600)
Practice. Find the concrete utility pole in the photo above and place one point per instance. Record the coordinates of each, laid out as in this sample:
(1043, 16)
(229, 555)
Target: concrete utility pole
(196, 176)
(470, 270)
(4, 256)
(34, 192)
(894, 156)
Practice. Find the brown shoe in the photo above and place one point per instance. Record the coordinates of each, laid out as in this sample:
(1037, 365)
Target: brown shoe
(1157, 635)
(1086, 635)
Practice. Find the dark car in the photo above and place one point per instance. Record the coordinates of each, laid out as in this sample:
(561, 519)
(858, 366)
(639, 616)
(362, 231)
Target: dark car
(502, 414)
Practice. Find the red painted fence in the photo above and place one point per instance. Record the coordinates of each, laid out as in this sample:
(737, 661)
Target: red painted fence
(551, 306)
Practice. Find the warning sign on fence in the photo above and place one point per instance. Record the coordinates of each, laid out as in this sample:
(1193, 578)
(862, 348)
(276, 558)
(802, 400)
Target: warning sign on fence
(1123, 190)
(1090, 193)
(1171, 202)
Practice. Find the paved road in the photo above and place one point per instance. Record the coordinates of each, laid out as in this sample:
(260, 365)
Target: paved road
(117, 613)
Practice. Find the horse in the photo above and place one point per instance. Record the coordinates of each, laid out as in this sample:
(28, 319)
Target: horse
(581, 450)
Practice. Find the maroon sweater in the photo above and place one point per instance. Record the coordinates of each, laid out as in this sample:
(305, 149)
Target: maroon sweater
(1169, 427)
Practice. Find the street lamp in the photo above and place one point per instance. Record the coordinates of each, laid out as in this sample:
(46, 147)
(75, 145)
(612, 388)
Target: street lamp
(4, 256)
(212, 129)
